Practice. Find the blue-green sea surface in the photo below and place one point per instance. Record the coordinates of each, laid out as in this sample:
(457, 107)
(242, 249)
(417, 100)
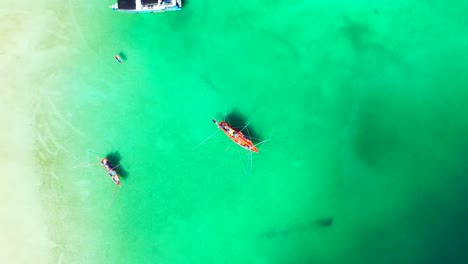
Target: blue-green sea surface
(362, 104)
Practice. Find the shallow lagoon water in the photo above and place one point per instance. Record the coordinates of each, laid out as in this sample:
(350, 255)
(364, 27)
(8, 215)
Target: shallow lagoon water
(362, 104)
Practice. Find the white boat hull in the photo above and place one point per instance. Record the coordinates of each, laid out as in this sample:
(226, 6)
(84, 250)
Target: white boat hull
(140, 7)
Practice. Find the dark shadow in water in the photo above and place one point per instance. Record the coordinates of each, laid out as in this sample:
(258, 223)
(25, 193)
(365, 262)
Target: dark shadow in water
(357, 34)
(238, 121)
(115, 158)
(122, 55)
(326, 222)
(360, 36)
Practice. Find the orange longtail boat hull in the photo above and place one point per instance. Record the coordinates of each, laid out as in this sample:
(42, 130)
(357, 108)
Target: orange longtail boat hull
(237, 136)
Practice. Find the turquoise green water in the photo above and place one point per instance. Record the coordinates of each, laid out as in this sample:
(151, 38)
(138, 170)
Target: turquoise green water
(363, 104)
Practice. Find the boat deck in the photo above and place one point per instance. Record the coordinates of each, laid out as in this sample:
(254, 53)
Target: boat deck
(147, 6)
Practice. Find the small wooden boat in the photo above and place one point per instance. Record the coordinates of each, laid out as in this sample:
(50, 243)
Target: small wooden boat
(117, 57)
(110, 169)
(236, 136)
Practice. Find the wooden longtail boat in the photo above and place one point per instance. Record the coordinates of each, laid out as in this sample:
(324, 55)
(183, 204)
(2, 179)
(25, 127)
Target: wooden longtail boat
(110, 169)
(236, 136)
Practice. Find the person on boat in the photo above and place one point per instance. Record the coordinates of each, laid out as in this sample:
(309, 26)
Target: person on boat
(235, 134)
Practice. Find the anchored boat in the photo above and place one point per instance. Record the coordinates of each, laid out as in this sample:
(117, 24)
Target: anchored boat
(236, 136)
(117, 57)
(110, 169)
(147, 6)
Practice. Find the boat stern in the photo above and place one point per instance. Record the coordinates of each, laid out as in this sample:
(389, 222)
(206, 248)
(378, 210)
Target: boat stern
(254, 149)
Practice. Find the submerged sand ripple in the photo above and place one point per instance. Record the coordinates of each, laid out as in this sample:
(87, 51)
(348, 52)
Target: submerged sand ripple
(32, 45)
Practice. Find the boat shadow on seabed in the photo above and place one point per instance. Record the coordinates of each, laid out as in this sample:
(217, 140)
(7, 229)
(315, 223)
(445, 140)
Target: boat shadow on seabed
(122, 55)
(236, 120)
(115, 158)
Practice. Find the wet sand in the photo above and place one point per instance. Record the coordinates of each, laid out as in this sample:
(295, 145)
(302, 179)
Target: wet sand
(31, 45)
(22, 225)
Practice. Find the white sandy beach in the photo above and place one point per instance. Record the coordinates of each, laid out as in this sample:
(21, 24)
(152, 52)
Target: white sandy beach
(30, 46)
(22, 225)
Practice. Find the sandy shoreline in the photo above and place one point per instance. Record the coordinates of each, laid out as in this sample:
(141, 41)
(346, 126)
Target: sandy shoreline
(30, 46)
(22, 224)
